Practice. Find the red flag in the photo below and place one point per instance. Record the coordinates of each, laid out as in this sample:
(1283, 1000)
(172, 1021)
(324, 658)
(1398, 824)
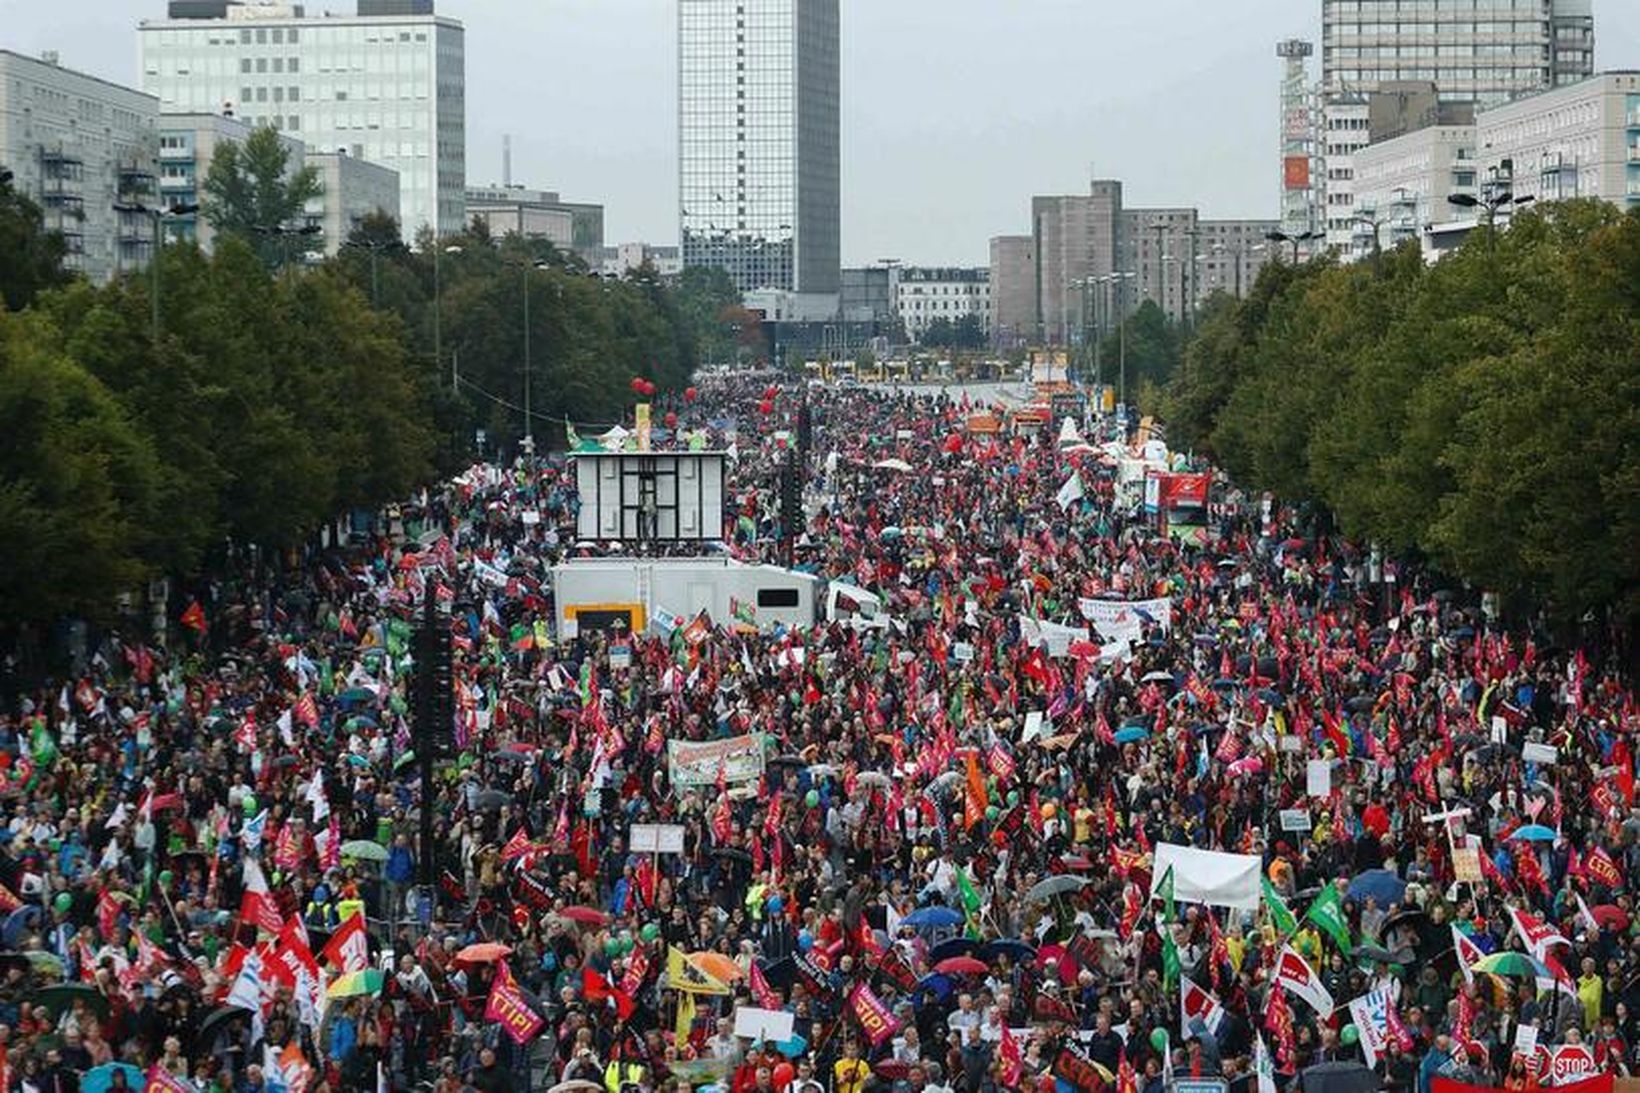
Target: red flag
(1602, 869)
(194, 617)
(108, 913)
(597, 990)
(259, 908)
(1127, 1079)
(517, 846)
(1012, 1059)
(349, 947)
(762, 993)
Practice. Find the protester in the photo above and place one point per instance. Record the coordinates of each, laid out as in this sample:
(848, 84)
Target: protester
(938, 857)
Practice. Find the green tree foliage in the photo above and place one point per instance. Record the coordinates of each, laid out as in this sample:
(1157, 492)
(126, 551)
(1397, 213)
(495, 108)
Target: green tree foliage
(1154, 343)
(31, 259)
(1483, 411)
(967, 332)
(251, 192)
(77, 479)
(708, 303)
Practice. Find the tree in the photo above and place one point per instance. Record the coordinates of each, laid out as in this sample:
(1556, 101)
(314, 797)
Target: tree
(709, 304)
(250, 191)
(965, 332)
(31, 258)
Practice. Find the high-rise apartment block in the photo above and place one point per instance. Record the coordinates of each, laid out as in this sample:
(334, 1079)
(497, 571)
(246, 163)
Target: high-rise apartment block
(758, 159)
(385, 85)
(83, 150)
(1091, 260)
(1484, 52)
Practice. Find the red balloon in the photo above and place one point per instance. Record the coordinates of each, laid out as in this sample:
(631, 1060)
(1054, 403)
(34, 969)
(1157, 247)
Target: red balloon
(690, 394)
(771, 392)
(783, 1075)
(671, 420)
(649, 388)
(637, 385)
(766, 406)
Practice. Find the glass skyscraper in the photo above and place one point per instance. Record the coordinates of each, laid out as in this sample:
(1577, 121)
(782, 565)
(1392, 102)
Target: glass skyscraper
(758, 167)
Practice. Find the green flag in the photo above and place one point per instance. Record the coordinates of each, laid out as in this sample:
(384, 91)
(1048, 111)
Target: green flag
(1279, 912)
(970, 898)
(1327, 912)
(572, 439)
(1165, 890)
(1170, 959)
(42, 745)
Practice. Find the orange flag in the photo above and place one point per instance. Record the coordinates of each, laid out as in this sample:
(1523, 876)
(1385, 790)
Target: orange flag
(977, 800)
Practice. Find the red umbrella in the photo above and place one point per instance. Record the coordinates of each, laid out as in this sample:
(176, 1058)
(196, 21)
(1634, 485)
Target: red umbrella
(1611, 916)
(485, 952)
(586, 916)
(1066, 963)
(962, 965)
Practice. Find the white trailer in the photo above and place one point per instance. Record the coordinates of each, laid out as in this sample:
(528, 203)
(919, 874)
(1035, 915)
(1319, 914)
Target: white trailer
(653, 594)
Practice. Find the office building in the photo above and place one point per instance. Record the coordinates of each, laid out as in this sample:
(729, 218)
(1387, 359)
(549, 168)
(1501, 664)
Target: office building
(1582, 140)
(925, 294)
(1402, 185)
(354, 189)
(187, 144)
(867, 295)
(574, 227)
(622, 259)
(1013, 290)
(1299, 170)
(78, 146)
(386, 84)
(758, 167)
(1091, 260)
(1485, 53)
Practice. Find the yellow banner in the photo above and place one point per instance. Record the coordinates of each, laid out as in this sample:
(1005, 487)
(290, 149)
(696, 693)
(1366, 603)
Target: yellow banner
(685, 976)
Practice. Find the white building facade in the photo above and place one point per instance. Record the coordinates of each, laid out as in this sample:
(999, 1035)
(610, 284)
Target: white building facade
(924, 294)
(79, 146)
(354, 189)
(1577, 141)
(1402, 185)
(385, 88)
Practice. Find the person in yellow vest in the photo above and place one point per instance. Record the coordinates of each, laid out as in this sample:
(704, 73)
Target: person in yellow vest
(622, 1071)
(851, 1071)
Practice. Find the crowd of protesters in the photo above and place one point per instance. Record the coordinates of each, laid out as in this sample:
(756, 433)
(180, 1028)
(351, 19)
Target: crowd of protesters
(943, 869)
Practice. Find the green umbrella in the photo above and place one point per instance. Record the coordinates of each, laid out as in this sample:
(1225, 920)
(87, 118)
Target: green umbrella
(1516, 964)
(364, 850)
(404, 760)
(40, 961)
(59, 998)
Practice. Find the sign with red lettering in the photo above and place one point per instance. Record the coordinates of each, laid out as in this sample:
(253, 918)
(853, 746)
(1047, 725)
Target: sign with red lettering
(874, 1018)
(1571, 1063)
(508, 1007)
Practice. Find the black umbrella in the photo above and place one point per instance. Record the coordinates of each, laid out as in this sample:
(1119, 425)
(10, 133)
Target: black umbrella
(733, 853)
(215, 1022)
(492, 798)
(1339, 1078)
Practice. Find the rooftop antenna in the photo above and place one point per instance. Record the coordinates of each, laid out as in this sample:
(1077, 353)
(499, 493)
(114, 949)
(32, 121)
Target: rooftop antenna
(506, 160)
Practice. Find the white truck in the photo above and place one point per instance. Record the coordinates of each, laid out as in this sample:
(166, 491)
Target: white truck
(622, 595)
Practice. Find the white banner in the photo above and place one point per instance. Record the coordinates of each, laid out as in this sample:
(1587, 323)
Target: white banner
(1116, 619)
(1370, 1013)
(1297, 976)
(1034, 632)
(692, 765)
(1208, 876)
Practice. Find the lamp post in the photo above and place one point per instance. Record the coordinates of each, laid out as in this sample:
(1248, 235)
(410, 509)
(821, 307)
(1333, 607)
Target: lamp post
(156, 218)
(283, 232)
(524, 268)
(1490, 204)
(375, 247)
(1295, 240)
(438, 321)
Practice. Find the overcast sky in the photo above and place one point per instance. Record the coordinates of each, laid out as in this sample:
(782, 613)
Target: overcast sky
(954, 111)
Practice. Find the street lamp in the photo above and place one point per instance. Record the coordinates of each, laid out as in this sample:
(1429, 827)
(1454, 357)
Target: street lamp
(156, 218)
(1491, 204)
(1294, 239)
(438, 321)
(375, 247)
(284, 232)
(529, 417)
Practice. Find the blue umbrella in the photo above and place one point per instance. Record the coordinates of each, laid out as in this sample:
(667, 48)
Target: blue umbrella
(1269, 697)
(792, 1048)
(1131, 733)
(100, 1078)
(1383, 886)
(937, 985)
(1225, 683)
(1012, 947)
(931, 918)
(18, 923)
(1534, 833)
(952, 946)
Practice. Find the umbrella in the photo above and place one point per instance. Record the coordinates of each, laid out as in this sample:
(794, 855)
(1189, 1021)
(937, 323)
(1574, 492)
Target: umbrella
(368, 981)
(1011, 947)
(1339, 1078)
(215, 1022)
(1383, 886)
(893, 1070)
(42, 961)
(1379, 955)
(491, 798)
(1156, 677)
(1535, 833)
(1514, 964)
(357, 696)
(1131, 734)
(364, 850)
(892, 465)
(577, 1085)
(950, 947)
(586, 916)
(484, 952)
(874, 778)
(18, 924)
(99, 1079)
(961, 965)
(733, 853)
(1055, 886)
(931, 918)
(1611, 916)
(1269, 697)
(60, 997)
